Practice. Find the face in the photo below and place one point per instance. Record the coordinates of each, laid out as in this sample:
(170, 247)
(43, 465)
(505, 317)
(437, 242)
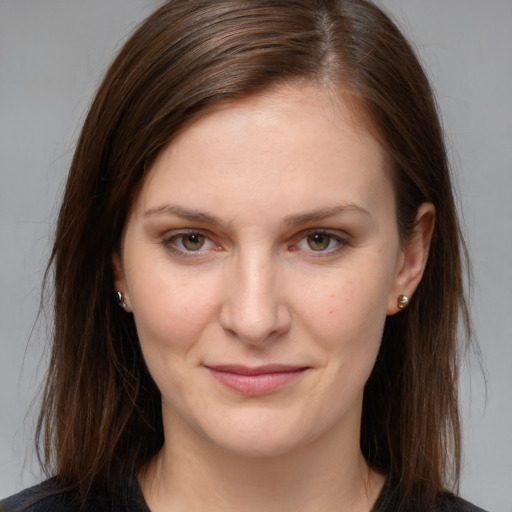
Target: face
(260, 260)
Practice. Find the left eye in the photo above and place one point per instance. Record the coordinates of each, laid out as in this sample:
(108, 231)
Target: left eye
(319, 241)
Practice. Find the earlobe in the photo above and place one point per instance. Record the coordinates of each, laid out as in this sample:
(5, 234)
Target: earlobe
(120, 288)
(414, 259)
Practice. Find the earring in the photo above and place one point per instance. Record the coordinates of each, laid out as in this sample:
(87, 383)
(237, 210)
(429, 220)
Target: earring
(120, 300)
(403, 301)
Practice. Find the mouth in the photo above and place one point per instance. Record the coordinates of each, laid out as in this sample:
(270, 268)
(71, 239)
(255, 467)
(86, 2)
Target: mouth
(258, 380)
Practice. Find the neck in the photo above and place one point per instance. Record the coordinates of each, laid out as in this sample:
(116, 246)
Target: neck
(320, 476)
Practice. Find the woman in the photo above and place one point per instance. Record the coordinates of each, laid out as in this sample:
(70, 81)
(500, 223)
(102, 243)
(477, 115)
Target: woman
(263, 188)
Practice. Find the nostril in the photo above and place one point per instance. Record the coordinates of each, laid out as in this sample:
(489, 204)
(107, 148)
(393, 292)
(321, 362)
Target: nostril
(230, 332)
(253, 307)
(255, 325)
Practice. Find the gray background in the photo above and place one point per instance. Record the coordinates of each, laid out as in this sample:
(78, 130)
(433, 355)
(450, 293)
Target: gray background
(52, 54)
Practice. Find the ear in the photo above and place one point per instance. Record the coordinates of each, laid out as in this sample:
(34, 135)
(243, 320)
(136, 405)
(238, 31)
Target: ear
(414, 258)
(119, 280)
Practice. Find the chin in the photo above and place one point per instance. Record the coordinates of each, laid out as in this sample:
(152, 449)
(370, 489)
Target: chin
(257, 446)
(258, 435)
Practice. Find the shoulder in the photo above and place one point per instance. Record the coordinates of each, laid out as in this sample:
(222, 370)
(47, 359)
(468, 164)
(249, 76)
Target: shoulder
(50, 497)
(39, 498)
(449, 503)
(389, 501)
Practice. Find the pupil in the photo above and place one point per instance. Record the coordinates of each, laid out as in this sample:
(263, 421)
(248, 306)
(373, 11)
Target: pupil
(318, 241)
(193, 242)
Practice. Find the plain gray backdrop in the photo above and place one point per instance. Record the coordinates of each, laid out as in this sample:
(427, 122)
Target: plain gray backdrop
(52, 55)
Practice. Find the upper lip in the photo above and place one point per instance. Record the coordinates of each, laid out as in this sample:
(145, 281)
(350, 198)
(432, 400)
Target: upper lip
(256, 370)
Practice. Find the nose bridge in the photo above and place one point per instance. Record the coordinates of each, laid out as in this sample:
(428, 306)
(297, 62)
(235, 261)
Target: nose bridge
(254, 309)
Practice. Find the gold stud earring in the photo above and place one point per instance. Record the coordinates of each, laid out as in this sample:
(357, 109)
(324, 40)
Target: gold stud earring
(403, 301)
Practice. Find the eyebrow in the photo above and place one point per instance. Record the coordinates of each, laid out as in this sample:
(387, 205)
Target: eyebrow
(291, 220)
(185, 213)
(323, 213)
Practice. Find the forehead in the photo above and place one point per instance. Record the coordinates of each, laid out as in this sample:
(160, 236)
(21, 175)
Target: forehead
(290, 142)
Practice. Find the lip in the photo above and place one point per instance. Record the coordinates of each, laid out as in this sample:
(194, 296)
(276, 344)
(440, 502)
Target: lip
(256, 380)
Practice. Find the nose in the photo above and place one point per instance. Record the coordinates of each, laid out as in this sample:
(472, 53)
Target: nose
(254, 309)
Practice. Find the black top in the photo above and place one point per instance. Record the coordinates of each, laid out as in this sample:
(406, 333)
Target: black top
(46, 497)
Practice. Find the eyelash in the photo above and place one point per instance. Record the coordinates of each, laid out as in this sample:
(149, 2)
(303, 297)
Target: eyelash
(169, 243)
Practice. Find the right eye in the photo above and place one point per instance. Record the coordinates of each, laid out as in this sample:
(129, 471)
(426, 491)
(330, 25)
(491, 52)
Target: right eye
(192, 241)
(188, 243)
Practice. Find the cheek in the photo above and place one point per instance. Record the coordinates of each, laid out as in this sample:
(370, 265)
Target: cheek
(345, 315)
(345, 304)
(171, 308)
(171, 312)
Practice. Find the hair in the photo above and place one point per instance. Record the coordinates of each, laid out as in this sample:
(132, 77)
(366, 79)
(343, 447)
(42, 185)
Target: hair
(101, 412)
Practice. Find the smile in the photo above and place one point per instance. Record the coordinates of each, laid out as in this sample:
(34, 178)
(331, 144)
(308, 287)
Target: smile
(255, 381)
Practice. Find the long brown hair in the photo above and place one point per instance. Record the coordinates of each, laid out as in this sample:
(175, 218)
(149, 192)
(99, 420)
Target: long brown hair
(101, 413)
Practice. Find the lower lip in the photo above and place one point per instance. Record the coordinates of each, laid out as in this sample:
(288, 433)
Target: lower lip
(256, 384)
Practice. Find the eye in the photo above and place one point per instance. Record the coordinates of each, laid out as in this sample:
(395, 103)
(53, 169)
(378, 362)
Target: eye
(318, 241)
(193, 241)
(321, 242)
(188, 243)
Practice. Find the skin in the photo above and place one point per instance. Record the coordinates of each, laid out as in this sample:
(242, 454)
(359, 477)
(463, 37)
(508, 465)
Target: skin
(266, 233)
